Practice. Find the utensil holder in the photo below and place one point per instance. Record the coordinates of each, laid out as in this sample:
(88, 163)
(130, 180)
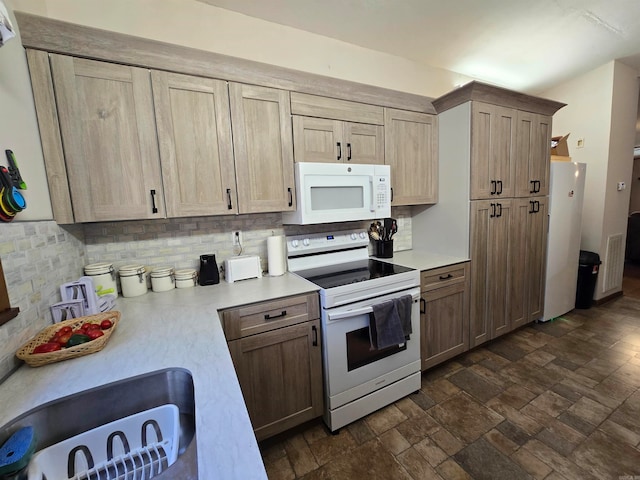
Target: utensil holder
(384, 248)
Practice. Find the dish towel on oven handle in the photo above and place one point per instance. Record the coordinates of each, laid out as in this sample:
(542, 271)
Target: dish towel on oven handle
(403, 305)
(385, 326)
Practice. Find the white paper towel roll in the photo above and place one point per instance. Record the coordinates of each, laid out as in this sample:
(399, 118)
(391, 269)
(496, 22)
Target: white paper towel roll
(276, 256)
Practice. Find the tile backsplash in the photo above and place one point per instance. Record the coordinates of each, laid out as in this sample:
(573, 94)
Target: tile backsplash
(38, 257)
(179, 242)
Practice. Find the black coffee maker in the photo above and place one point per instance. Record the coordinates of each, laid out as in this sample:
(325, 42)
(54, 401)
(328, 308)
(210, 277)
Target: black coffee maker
(209, 274)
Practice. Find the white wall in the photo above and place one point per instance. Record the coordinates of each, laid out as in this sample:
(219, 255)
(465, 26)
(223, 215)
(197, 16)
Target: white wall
(199, 25)
(601, 110)
(19, 128)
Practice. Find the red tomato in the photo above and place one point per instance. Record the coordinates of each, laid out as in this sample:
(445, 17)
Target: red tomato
(47, 347)
(65, 329)
(106, 324)
(64, 338)
(93, 326)
(86, 326)
(93, 333)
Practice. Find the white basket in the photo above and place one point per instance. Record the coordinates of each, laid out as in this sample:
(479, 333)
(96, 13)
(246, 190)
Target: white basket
(140, 446)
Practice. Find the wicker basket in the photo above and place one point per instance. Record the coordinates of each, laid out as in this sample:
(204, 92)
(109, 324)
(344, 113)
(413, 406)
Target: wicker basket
(39, 359)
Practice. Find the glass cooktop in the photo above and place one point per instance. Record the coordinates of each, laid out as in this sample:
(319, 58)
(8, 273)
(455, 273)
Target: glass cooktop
(353, 272)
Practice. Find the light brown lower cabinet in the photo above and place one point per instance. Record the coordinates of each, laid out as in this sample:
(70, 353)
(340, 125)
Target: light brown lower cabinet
(276, 351)
(444, 313)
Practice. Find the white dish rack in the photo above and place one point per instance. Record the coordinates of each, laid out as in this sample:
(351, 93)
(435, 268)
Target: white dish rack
(137, 447)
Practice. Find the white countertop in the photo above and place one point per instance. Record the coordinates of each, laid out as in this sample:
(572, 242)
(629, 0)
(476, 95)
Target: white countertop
(423, 260)
(178, 328)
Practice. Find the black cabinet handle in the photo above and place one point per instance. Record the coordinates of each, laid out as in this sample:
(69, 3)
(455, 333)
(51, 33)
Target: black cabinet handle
(493, 187)
(154, 209)
(536, 208)
(499, 214)
(229, 206)
(391, 194)
(536, 188)
(339, 151)
(314, 329)
(423, 306)
(531, 206)
(533, 186)
(493, 210)
(290, 196)
(283, 313)
(348, 152)
(446, 277)
(499, 192)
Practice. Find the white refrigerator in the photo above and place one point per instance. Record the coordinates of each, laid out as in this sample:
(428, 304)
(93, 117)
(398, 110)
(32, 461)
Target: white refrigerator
(566, 195)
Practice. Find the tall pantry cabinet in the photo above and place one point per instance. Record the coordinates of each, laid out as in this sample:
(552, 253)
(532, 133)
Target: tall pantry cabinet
(510, 136)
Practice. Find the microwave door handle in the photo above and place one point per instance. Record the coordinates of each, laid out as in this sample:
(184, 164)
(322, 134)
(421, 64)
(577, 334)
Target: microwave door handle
(373, 195)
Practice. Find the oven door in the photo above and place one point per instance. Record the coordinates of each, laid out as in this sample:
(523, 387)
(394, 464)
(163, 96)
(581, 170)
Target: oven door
(352, 368)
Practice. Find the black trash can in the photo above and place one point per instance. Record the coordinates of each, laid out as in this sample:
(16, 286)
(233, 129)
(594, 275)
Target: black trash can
(587, 278)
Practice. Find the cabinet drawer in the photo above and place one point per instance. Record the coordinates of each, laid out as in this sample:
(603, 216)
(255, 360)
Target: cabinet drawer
(442, 277)
(265, 316)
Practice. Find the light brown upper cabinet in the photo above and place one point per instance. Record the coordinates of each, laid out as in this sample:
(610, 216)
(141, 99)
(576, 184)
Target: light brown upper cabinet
(194, 135)
(411, 149)
(263, 148)
(331, 130)
(493, 136)
(108, 129)
(330, 141)
(533, 140)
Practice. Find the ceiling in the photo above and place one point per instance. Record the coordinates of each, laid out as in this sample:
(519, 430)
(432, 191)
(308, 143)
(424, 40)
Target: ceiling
(520, 44)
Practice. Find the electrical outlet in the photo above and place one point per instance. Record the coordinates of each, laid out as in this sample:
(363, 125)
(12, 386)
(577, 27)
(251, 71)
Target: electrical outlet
(237, 238)
(580, 143)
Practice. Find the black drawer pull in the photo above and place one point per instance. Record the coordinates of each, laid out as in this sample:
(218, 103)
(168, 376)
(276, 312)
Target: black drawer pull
(271, 317)
(339, 151)
(423, 306)
(290, 192)
(315, 335)
(154, 209)
(446, 277)
(229, 206)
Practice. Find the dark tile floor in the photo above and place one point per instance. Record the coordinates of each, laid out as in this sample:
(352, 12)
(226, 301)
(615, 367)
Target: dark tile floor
(553, 401)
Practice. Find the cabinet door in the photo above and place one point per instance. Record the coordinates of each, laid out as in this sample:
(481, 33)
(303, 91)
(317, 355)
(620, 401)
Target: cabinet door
(533, 137)
(444, 327)
(538, 229)
(490, 263)
(109, 135)
(363, 143)
(263, 148)
(411, 149)
(280, 373)
(492, 150)
(194, 131)
(317, 139)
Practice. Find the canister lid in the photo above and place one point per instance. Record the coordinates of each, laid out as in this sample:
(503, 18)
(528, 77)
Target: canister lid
(163, 271)
(98, 268)
(130, 270)
(185, 274)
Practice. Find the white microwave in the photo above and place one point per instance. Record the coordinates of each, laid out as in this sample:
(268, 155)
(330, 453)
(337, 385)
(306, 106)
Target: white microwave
(335, 192)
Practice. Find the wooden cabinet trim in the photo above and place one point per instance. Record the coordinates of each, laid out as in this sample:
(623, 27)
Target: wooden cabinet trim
(42, 33)
(483, 92)
(335, 109)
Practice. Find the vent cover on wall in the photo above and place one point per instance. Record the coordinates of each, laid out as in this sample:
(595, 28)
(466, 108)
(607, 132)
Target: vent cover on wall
(614, 263)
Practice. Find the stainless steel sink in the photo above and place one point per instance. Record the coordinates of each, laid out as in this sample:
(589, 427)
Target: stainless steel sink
(66, 417)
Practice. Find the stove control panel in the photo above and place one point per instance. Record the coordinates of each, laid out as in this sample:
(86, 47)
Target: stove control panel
(326, 242)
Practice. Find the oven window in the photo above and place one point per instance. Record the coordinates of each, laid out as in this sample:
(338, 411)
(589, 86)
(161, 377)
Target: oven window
(336, 198)
(359, 352)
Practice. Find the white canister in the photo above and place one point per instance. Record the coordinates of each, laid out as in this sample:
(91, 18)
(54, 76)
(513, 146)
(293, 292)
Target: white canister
(104, 278)
(185, 278)
(162, 279)
(133, 280)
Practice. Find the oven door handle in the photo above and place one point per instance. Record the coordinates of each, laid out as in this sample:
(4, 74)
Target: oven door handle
(357, 311)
